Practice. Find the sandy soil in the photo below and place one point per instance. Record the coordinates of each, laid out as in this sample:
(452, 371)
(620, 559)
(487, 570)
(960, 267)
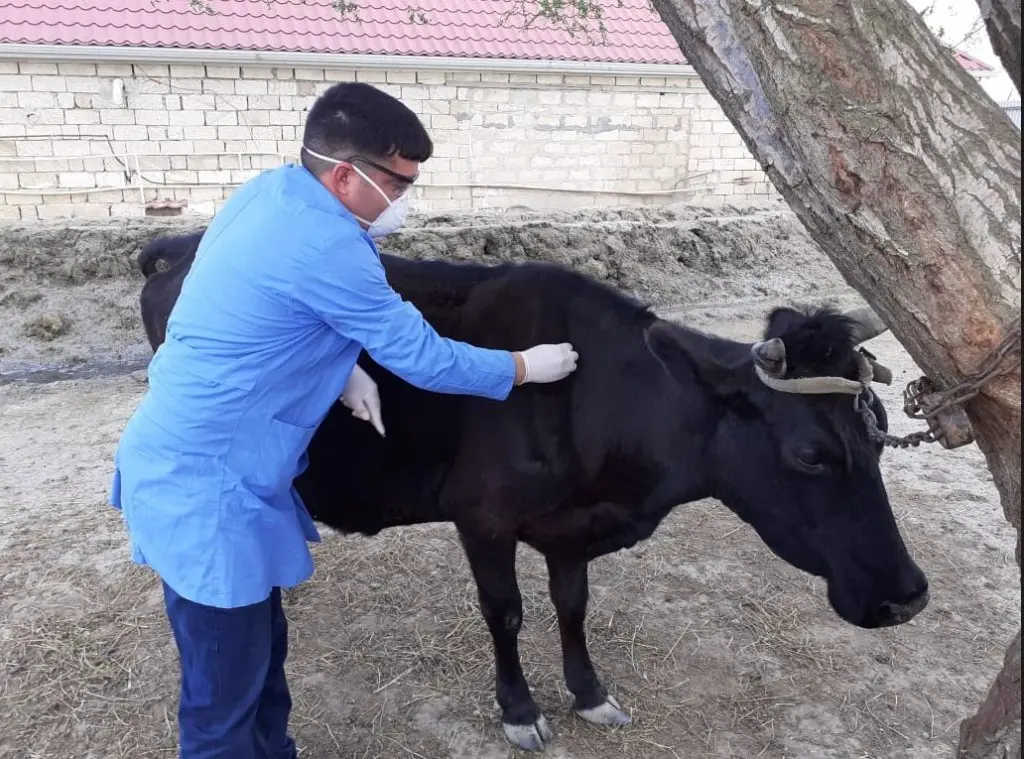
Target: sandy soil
(714, 646)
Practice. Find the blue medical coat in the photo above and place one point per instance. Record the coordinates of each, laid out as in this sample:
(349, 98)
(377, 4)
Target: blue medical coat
(285, 290)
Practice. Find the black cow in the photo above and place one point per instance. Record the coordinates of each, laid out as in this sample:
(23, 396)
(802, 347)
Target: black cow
(656, 415)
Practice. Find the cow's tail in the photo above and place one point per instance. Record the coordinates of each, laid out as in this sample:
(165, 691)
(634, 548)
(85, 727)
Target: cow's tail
(151, 253)
(168, 249)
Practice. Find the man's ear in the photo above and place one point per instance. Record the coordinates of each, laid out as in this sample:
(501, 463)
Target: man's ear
(690, 356)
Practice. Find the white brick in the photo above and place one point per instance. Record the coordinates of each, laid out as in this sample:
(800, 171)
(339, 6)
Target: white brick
(187, 71)
(198, 102)
(72, 148)
(37, 67)
(430, 77)
(15, 83)
(368, 75)
(130, 132)
(96, 130)
(287, 87)
(186, 86)
(232, 102)
(254, 118)
(220, 86)
(285, 118)
(214, 177)
(440, 121)
(401, 77)
(187, 118)
(146, 101)
(8, 67)
(114, 69)
(204, 138)
(23, 200)
(221, 118)
(152, 118)
(223, 72)
(37, 181)
(127, 209)
(49, 83)
(251, 87)
(77, 70)
(116, 116)
(76, 181)
(257, 72)
(310, 75)
(263, 102)
(202, 162)
(46, 116)
(37, 100)
(234, 133)
(13, 213)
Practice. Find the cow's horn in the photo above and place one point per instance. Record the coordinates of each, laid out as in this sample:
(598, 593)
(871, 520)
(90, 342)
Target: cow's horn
(866, 324)
(770, 355)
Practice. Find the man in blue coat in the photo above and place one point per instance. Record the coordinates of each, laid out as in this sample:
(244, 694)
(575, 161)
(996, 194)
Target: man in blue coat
(286, 289)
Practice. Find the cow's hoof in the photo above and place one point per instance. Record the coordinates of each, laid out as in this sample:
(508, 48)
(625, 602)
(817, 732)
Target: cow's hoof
(533, 737)
(609, 714)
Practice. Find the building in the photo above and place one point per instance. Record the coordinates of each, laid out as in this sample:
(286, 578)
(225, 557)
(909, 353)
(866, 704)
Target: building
(161, 104)
(1012, 108)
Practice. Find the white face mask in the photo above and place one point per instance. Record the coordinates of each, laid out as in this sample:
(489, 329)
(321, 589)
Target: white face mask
(391, 218)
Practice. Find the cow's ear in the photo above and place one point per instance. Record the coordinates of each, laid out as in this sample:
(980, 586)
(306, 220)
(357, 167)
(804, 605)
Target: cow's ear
(688, 355)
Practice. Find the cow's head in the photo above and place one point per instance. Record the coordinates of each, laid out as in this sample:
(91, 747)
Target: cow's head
(792, 454)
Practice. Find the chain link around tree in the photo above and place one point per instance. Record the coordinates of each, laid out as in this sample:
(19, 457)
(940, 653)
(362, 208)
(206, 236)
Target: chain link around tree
(921, 399)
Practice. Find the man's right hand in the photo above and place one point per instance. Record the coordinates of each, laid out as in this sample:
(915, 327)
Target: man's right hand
(545, 363)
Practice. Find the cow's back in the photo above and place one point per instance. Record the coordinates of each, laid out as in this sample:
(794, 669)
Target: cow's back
(442, 452)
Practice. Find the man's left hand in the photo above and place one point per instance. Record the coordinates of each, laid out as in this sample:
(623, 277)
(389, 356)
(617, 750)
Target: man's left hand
(361, 396)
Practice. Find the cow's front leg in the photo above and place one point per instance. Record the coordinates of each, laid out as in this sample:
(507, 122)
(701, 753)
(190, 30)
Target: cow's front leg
(494, 569)
(567, 581)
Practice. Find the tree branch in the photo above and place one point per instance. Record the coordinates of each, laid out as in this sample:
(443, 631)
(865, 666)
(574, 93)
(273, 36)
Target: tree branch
(1002, 21)
(907, 175)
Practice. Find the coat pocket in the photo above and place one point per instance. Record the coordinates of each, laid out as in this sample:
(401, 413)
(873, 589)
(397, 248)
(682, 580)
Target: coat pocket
(267, 461)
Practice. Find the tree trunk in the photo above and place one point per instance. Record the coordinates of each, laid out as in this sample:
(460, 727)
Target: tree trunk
(908, 176)
(1002, 22)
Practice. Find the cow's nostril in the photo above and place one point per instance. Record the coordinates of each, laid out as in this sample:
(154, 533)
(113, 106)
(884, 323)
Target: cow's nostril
(892, 613)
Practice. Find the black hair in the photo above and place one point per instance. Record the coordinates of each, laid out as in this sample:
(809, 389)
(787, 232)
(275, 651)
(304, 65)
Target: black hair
(355, 118)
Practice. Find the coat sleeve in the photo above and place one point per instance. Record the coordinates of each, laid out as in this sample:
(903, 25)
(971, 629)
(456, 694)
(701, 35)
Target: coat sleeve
(347, 288)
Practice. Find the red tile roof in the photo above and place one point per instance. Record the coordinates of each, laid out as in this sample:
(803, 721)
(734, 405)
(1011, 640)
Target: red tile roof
(445, 28)
(970, 63)
(448, 28)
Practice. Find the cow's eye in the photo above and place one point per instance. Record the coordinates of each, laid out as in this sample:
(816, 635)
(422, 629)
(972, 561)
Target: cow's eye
(809, 459)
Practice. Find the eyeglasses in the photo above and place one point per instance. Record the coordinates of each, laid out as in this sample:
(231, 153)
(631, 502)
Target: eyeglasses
(403, 178)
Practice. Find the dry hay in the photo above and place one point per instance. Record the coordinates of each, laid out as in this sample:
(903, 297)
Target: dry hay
(715, 647)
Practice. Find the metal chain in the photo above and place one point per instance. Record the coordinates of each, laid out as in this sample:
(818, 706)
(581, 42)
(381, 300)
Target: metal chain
(970, 387)
(862, 404)
(913, 395)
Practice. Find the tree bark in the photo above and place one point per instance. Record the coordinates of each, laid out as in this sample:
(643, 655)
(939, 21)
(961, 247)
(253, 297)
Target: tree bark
(1002, 22)
(908, 176)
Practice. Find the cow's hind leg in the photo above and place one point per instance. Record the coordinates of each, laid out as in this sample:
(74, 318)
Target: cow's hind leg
(567, 581)
(494, 569)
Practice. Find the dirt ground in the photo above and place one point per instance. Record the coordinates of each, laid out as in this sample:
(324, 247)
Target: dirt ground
(715, 647)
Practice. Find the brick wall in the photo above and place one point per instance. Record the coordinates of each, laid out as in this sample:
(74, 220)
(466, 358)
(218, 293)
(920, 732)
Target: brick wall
(70, 142)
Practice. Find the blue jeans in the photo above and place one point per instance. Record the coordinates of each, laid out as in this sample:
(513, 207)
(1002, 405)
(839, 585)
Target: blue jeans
(234, 701)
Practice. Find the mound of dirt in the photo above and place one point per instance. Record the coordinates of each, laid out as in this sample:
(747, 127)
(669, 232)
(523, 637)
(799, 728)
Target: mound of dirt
(69, 288)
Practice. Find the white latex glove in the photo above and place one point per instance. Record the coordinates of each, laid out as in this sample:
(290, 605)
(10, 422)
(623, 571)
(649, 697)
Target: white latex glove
(549, 363)
(361, 396)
